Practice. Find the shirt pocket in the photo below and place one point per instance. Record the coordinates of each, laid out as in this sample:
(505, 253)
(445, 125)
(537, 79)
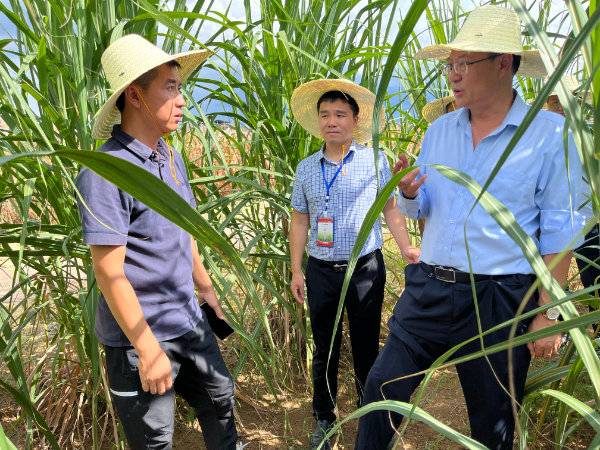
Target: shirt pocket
(363, 189)
(508, 188)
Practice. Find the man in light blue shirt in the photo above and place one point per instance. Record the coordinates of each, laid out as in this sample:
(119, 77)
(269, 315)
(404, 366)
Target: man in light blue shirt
(436, 310)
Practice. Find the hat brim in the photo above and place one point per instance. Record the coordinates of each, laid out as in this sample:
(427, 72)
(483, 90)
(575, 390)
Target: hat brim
(109, 114)
(304, 106)
(531, 66)
(436, 109)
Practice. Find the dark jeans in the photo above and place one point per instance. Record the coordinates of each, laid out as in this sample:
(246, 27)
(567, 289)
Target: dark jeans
(363, 305)
(200, 376)
(430, 318)
(590, 249)
(588, 273)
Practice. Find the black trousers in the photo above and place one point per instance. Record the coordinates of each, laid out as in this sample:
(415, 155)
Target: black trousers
(363, 305)
(200, 376)
(590, 249)
(430, 318)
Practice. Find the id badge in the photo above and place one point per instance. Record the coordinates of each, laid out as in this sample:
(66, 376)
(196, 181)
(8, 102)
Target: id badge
(324, 232)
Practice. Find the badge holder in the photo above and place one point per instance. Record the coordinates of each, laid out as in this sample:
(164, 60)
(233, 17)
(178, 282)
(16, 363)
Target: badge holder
(325, 225)
(325, 231)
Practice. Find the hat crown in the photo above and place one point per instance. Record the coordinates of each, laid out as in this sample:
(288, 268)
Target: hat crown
(491, 29)
(121, 60)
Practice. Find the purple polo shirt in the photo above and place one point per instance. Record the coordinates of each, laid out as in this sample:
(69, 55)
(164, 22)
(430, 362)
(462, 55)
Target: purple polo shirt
(158, 259)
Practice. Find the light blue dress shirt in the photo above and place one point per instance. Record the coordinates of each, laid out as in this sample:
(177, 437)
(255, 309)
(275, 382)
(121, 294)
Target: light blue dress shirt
(532, 183)
(350, 197)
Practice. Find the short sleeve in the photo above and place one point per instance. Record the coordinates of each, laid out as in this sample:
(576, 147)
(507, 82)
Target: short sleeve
(299, 202)
(385, 174)
(104, 210)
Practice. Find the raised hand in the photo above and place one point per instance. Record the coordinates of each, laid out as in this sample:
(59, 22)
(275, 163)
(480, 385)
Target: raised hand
(408, 185)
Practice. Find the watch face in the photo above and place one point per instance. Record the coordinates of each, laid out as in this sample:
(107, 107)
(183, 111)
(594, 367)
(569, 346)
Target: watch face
(552, 313)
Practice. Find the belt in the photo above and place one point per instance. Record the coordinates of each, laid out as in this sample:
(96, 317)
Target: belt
(341, 266)
(451, 275)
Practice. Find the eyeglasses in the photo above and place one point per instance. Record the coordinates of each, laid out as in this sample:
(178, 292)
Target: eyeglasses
(461, 67)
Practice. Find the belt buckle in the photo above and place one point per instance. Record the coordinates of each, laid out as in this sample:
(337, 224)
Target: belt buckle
(340, 268)
(444, 274)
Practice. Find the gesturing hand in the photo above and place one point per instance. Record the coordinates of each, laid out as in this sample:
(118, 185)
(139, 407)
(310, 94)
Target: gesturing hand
(408, 185)
(298, 287)
(155, 370)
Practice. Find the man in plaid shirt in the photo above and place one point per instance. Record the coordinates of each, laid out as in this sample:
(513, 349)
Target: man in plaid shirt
(333, 191)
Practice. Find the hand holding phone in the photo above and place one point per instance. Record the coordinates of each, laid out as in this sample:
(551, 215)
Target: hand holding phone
(220, 327)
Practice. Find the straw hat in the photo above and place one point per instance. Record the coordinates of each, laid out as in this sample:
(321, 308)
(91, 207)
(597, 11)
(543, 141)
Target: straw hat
(436, 109)
(491, 29)
(304, 106)
(573, 85)
(127, 59)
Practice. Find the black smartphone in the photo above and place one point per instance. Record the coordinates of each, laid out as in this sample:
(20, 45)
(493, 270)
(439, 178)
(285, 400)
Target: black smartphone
(220, 327)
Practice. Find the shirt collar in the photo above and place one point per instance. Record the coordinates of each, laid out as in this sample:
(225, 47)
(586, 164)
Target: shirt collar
(353, 147)
(132, 144)
(515, 115)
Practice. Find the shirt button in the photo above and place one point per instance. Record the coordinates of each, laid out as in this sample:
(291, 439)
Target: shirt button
(340, 206)
(452, 221)
(446, 248)
(339, 247)
(462, 194)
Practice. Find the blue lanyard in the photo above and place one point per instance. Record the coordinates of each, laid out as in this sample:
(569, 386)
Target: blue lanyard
(327, 186)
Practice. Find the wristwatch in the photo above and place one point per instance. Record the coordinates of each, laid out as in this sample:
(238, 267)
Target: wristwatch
(551, 313)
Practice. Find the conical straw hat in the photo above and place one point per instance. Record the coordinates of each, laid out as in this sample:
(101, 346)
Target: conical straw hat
(491, 29)
(304, 106)
(127, 59)
(436, 109)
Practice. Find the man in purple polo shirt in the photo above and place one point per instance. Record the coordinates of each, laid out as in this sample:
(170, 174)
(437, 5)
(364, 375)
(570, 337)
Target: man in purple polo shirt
(156, 339)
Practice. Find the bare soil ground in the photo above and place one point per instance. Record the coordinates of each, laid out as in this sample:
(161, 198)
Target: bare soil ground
(262, 425)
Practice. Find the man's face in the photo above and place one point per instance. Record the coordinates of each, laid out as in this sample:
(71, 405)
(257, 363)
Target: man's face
(554, 105)
(481, 79)
(336, 122)
(164, 98)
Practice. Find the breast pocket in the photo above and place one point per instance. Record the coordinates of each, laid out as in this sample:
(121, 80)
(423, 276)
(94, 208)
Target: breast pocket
(509, 188)
(364, 189)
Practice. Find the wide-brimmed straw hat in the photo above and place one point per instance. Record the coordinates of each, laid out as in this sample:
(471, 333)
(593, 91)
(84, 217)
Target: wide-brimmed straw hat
(573, 85)
(436, 109)
(127, 59)
(304, 106)
(490, 29)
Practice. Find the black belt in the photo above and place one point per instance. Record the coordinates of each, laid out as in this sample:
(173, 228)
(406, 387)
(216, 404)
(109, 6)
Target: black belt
(451, 275)
(341, 266)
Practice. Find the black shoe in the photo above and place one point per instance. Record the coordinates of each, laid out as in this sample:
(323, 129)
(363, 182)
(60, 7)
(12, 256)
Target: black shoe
(318, 435)
(391, 444)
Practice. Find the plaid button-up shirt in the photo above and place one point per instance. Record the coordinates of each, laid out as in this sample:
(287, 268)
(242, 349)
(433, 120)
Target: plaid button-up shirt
(350, 197)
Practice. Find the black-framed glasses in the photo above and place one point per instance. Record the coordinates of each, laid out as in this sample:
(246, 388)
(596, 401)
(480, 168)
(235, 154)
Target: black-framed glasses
(461, 67)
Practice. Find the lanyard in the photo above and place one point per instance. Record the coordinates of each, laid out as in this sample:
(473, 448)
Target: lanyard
(327, 186)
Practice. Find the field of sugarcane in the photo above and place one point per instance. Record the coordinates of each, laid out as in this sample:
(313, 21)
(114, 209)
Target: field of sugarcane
(241, 145)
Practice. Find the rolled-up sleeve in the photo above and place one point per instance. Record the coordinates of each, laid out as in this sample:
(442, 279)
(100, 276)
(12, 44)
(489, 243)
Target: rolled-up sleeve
(104, 210)
(556, 197)
(299, 202)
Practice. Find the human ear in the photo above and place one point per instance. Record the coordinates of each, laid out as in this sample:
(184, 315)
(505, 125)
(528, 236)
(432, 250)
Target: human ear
(132, 96)
(506, 61)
